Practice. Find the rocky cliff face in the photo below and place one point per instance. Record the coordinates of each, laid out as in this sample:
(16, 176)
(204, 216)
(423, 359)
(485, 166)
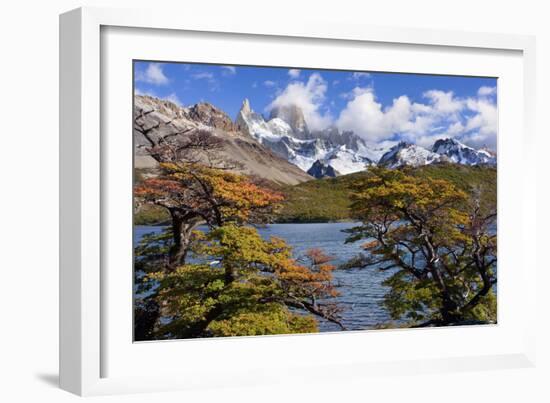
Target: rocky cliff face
(320, 170)
(286, 134)
(174, 122)
(294, 116)
(212, 117)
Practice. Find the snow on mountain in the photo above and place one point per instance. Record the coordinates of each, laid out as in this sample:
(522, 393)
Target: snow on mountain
(170, 124)
(287, 135)
(372, 152)
(294, 116)
(346, 161)
(409, 154)
(279, 126)
(302, 153)
(461, 153)
(254, 124)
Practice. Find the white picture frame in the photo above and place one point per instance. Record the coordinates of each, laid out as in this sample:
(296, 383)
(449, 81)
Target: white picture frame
(86, 344)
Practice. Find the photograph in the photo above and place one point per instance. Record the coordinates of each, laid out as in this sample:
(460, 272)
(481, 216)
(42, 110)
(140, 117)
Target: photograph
(279, 203)
(287, 200)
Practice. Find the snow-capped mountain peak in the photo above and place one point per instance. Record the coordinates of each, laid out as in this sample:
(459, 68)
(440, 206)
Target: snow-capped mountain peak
(335, 152)
(460, 153)
(294, 116)
(287, 135)
(405, 153)
(254, 124)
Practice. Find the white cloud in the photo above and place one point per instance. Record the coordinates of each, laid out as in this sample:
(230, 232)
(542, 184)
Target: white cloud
(366, 116)
(356, 91)
(229, 70)
(481, 128)
(444, 103)
(359, 75)
(294, 73)
(213, 83)
(486, 91)
(203, 76)
(426, 141)
(455, 129)
(269, 83)
(308, 96)
(153, 74)
(473, 120)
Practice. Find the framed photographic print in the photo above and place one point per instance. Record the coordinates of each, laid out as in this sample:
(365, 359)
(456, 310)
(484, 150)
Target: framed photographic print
(233, 201)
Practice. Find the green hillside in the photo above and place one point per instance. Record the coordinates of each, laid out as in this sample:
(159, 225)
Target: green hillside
(324, 200)
(328, 199)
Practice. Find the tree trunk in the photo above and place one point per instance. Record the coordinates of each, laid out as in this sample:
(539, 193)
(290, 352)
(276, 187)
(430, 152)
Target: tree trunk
(182, 231)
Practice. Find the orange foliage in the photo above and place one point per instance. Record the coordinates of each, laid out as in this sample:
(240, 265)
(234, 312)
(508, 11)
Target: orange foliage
(213, 193)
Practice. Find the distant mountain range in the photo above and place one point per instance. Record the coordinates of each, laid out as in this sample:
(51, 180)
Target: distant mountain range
(331, 152)
(444, 150)
(283, 148)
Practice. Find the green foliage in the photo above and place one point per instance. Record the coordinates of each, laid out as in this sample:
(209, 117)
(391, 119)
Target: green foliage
(435, 237)
(408, 298)
(466, 178)
(235, 283)
(149, 214)
(328, 199)
(269, 319)
(320, 200)
(241, 285)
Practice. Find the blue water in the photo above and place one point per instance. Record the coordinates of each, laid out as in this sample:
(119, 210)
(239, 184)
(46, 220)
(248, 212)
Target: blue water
(360, 290)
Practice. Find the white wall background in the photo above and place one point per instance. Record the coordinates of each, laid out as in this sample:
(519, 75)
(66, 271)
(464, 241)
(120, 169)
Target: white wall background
(29, 201)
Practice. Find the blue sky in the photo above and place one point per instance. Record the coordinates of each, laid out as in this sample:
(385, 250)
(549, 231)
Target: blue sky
(381, 107)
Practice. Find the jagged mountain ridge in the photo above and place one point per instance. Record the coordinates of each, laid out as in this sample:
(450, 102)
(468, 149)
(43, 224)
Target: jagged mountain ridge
(286, 133)
(460, 153)
(443, 150)
(254, 159)
(409, 154)
(288, 152)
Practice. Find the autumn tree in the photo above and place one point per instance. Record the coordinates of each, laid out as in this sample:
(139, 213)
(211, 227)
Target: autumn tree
(226, 280)
(437, 241)
(194, 194)
(241, 285)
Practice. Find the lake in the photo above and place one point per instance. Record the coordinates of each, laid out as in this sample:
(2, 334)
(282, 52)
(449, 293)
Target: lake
(360, 290)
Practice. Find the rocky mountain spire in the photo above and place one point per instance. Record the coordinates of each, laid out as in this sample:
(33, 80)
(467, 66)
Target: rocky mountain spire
(173, 125)
(245, 107)
(244, 117)
(294, 116)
